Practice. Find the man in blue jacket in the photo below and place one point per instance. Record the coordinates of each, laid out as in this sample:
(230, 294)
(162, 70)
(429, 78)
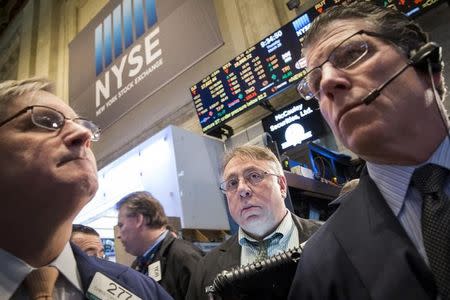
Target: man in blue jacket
(48, 174)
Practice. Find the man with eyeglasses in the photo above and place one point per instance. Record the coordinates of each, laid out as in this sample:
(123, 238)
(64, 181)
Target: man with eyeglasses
(48, 173)
(379, 85)
(255, 188)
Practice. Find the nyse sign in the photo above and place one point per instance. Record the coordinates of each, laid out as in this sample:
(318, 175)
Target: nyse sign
(128, 72)
(131, 49)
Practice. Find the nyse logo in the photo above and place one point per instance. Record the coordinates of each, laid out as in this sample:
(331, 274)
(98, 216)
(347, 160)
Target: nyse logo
(114, 35)
(117, 30)
(301, 24)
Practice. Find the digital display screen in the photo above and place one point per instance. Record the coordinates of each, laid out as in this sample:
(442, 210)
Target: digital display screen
(294, 124)
(267, 68)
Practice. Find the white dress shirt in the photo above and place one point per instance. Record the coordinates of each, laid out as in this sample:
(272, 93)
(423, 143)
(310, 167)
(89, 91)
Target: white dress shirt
(14, 270)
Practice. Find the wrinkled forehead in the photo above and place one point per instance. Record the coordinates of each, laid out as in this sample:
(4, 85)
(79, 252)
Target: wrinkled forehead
(42, 98)
(239, 165)
(82, 235)
(87, 239)
(326, 38)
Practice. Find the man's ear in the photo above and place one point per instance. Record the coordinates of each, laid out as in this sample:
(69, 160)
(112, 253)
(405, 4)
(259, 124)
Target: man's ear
(140, 220)
(283, 185)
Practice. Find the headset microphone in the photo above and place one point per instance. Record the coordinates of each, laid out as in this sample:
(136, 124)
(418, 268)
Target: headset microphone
(376, 92)
(429, 52)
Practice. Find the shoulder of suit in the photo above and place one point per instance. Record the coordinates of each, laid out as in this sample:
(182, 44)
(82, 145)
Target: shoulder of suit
(307, 222)
(224, 247)
(186, 246)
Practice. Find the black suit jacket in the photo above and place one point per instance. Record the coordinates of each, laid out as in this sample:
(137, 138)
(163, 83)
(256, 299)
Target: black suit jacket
(140, 285)
(178, 259)
(362, 252)
(228, 255)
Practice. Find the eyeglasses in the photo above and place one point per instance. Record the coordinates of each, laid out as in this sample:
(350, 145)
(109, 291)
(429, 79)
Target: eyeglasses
(51, 119)
(345, 55)
(252, 177)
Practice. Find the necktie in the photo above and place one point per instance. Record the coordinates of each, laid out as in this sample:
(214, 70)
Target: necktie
(429, 180)
(262, 250)
(262, 247)
(40, 283)
(141, 265)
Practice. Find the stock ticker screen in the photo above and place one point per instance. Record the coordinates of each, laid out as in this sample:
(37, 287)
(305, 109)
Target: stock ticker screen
(268, 67)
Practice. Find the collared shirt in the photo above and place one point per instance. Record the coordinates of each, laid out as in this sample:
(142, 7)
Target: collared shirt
(147, 257)
(403, 199)
(288, 239)
(14, 270)
(156, 243)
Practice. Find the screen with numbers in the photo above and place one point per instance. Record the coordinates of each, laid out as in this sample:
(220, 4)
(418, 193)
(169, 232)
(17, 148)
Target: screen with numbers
(267, 68)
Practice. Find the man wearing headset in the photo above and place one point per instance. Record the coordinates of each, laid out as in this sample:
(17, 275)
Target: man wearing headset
(379, 86)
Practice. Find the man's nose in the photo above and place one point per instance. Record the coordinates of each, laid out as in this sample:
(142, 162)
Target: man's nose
(76, 135)
(332, 80)
(244, 188)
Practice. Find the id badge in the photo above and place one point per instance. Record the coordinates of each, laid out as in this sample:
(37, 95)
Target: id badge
(154, 271)
(103, 288)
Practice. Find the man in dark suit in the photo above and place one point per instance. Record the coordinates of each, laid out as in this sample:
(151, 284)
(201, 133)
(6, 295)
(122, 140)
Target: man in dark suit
(48, 173)
(378, 244)
(255, 187)
(143, 232)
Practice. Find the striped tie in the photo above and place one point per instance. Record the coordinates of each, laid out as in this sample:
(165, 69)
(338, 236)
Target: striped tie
(429, 180)
(40, 283)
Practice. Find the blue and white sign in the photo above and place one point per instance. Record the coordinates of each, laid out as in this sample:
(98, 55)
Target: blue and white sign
(132, 48)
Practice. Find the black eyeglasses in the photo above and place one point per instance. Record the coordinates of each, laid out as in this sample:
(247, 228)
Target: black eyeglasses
(51, 119)
(345, 55)
(252, 177)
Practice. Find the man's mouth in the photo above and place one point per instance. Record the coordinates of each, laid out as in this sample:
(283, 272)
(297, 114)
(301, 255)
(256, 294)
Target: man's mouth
(345, 110)
(247, 208)
(70, 158)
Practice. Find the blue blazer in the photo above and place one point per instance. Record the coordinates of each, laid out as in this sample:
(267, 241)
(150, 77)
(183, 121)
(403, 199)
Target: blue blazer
(362, 252)
(142, 286)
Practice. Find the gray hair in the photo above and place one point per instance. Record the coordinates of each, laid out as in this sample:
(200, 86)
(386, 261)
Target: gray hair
(12, 89)
(252, 152)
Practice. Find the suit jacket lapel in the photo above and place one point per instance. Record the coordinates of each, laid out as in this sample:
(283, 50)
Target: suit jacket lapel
(161, 253)
(85, 268)
(88, 266)
(230, 254)
(379, 248)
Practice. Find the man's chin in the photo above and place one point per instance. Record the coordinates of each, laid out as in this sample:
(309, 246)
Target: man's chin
(84, 186)
(252, 219)
(253, 224)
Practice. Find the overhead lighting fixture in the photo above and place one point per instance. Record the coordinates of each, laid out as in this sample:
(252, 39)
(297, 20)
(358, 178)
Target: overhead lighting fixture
(293, 4)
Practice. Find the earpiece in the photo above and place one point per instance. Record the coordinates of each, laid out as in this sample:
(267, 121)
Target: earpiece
(431, 52)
